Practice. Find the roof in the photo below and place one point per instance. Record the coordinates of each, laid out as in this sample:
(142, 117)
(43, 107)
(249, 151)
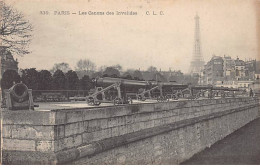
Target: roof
(239, 62)
(214, 57)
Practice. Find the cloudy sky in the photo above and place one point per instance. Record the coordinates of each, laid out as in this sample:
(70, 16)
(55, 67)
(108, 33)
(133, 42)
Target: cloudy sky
(227, 27)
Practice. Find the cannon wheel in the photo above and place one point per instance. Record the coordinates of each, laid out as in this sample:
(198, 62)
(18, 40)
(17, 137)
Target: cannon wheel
(223, 95)
(167, 98)
(129, 100)
(141, 98)
(118, 101)
(198, 95)
(175, 97)
(159, 99)
(97, 103)
(211, 96)
(162, 98)
(90, 101)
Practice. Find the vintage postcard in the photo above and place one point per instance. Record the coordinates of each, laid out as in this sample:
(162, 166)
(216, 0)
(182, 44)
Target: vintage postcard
(131, 82)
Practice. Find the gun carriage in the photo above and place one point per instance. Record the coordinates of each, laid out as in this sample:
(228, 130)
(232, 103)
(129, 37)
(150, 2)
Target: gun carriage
(115, 90)
(123, 91)
(162, 91)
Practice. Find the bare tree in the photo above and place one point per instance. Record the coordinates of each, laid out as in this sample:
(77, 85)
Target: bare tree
(15, 30)
(85, 65)
(102, 68)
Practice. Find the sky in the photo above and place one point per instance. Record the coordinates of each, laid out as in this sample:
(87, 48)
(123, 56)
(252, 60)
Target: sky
(165, 41)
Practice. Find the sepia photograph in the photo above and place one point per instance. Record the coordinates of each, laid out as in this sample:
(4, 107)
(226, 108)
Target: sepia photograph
(130, 82)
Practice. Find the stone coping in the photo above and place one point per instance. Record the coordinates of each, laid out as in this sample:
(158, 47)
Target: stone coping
(64, 116)
(86, 150)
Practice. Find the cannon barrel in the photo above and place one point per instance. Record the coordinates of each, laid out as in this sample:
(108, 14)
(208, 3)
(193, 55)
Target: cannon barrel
(202, 87)
(19, 91)
(109, 81)
(233, 89)
(174, 85)
(220, 88)
(19, 97)
(169, 84)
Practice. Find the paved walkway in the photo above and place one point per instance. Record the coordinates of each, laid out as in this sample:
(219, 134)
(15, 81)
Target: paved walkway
(241, 147)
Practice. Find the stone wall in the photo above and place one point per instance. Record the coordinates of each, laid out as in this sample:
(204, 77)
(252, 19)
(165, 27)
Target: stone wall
(156, 133)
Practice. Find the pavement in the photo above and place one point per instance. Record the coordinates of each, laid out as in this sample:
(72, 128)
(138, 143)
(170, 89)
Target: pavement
(239, 148)
(75, 104)
(48, 106)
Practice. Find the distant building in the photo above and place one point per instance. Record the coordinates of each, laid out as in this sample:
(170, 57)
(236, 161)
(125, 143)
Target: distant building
(7, 61)
(153, 76)
(240, 69)
(251, 69)
(227, 72)
(257, 76)
(228, 68)
(213, 70)
(229, 84)
(245, 84)
(257, 72)
(172, 75)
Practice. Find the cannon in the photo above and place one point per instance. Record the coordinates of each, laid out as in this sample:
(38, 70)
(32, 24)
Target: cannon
(19, 97)
(123, 91)
(115, 90)
(198, 91)
(166, 91)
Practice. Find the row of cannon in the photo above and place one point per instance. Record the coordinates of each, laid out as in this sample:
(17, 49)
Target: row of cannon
(123, 91)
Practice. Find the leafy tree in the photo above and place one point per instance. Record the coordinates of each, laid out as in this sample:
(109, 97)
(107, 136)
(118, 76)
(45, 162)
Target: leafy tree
(15, 30)
(45, 80)
(72, 80)
(30, 77)
(111, 72)
(96, 74)
(118, 67)
(178, 73)
(131, 71)
(152, 69)
(9, 78)
(59, 80)
(64, 67)
(137, 75)
(85, 65)
(127, 75)
(85, 83)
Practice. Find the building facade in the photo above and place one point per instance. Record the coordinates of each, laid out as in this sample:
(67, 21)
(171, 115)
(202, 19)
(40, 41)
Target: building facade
(228, 68)
(213, 70)
(232, 73)
(240, 69)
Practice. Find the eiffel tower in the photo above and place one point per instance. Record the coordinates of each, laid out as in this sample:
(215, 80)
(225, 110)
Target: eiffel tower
(197, 62)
